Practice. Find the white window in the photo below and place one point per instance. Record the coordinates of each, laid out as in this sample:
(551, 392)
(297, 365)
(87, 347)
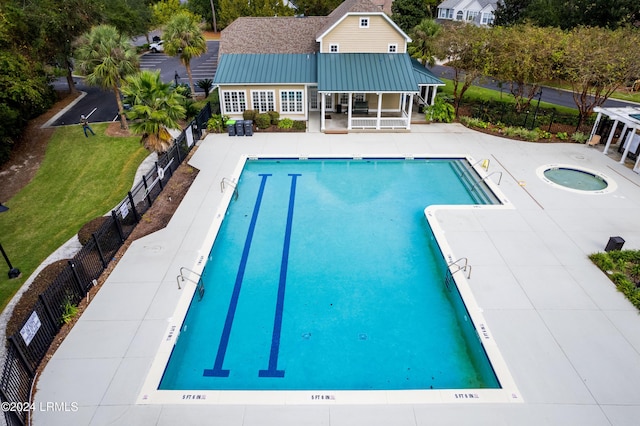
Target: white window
(472, 15)
(359, 97)
(487, 18)
(234, 101)
(291, 101)
(344, 98)
(459, 15)
(333, 48)
(393, 48)
(364, 22)
(263, 100)
(445, 13)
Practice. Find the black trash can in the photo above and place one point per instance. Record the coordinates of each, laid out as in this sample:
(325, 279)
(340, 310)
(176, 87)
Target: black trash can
(615, 243)
(231, 127)
(239, 127)
(248, 127)
(339, 109)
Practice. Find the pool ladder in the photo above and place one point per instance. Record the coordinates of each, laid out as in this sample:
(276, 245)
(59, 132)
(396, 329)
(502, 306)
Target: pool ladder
(457, 266)
(227, 181)
(199, 283)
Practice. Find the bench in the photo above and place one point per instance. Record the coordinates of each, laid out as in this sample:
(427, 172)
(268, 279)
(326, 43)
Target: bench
(361, 107)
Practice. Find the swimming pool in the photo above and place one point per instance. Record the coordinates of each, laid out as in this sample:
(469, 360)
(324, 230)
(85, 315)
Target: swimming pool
(325, 276)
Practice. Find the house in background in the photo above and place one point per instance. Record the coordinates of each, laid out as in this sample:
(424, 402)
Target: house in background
(480, 12)
(353, 62)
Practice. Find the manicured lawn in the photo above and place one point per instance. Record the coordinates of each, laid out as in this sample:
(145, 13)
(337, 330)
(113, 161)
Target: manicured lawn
(477, 94)
(79, 179)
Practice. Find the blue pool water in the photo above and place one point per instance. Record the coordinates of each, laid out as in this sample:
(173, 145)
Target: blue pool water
(325, 276)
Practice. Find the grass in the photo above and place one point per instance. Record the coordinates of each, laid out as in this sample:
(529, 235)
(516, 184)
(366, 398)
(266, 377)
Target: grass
(79, 179)
(477, 94)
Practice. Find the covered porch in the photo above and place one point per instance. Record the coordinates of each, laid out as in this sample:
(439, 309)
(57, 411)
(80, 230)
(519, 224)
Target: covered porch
(371, 91)
(628, 139)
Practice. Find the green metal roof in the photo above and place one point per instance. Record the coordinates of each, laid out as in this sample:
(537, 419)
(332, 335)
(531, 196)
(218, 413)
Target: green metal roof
(266, 68)
(369, 72)
(423, 75)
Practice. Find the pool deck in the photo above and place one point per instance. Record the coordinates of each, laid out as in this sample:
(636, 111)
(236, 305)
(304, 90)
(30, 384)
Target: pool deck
(570, 340)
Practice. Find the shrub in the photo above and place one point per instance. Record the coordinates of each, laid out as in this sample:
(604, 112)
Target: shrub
(285, 123)
(263, 121)
(522, 133)
(474, 122)
(249, 114)
(300, 125)
(579, 137)
(216, 124)
(275, 116)
(563, 136)
(544, 134)
(441, 111)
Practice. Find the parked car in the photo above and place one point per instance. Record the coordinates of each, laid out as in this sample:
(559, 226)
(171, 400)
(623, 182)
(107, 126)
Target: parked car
(157, 47)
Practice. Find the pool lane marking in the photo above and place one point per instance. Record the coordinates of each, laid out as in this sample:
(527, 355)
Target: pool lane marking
(217, 370)
(273, 371)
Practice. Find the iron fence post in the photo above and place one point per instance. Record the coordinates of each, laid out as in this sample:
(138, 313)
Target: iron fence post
(102, 259)
(76, 277)
(133, 207)
(114, 216)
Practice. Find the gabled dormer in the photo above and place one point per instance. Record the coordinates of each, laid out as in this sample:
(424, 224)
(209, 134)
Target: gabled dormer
(359, 26)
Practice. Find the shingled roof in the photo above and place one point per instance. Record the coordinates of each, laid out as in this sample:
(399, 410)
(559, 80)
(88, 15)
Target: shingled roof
(285, 34)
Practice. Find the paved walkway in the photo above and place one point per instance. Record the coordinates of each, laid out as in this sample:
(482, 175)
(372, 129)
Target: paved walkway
(570, 341)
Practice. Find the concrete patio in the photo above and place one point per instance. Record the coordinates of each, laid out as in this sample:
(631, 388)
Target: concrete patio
(570, 341)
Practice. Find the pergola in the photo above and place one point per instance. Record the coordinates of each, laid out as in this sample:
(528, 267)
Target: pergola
(630, 117)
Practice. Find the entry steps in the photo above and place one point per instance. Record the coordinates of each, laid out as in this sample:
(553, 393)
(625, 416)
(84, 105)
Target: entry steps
(477, 188)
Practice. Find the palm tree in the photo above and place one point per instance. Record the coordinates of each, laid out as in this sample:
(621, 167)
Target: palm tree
(184, 37)
(155, 108)
(423, 45)
(106, 57)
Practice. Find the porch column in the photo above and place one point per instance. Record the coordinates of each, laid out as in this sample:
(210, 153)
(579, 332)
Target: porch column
(349, 108)
(433, 94)
(595, 126)
(610, 138)
(626, 143)
(322, 110)
(410, 111)
(379, 111)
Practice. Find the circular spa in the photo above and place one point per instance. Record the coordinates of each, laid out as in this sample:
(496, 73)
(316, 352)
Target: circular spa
(576, 179)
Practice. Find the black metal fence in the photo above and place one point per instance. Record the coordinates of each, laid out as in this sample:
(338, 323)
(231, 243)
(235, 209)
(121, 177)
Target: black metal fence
(548, 119)
(27, 348)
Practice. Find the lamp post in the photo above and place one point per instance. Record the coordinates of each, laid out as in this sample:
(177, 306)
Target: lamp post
(13, 272)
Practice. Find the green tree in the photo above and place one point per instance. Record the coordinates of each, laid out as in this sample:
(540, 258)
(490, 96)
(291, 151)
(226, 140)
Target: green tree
(596, 62)
(164, 10)
(525, 57)
(52, 25)
(130, 17)
(155, 108)
(423, 44)
(409, 13)
(510, 12)
(230, 10)
(466, 49)
(206, 9)
(184, 37)
(105, 57)
(316, 7)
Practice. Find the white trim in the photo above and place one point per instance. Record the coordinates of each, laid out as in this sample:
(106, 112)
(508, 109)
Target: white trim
(382, 14)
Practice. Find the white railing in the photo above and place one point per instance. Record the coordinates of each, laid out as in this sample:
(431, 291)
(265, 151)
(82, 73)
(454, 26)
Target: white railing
(385, 123)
